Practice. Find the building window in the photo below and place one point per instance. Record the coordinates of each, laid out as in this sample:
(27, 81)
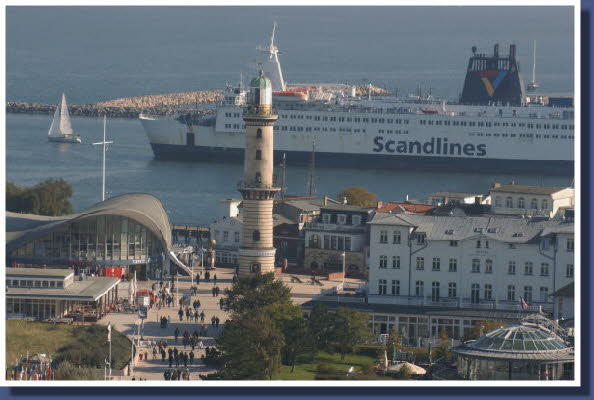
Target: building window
(326, 218)
(497, 201)
(435, 291)
(475, 293)
(347, 243)
(511, 293)
(314, 241)
(452, 289)
(256, 236)
(236, 237)
(342, 219)
(396, 237)
(333, 242)
(528, 293)
(478, 244)
(436, 264)
(419, 289)
(255, 268)
(225, 236)
(544, 294)
(383, 262)
(488, 291)
(259, 133)
(569, 271)
(420, 263)
(488, 266)
(326, 241)
(544, 269)
(258, 154)
(383, 286)
(528, 268)
(421, 238)
(453, 243)
(544, 204)
(395, 262)
(395, 287)
(476, 265)
(509, 202)
(258, 177)
(534, 204)
(383, 236)
(570, 245)
(356, 219)
(511, 268)
(521, 202)
(453, 265)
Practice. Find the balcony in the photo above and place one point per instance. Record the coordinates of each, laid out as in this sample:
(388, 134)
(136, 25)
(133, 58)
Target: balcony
(320, 226)
(242, 184)
(499, 305)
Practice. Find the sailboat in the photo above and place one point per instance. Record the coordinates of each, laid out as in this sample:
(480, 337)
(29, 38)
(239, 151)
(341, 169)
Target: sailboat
(61, 128)
(533, 85)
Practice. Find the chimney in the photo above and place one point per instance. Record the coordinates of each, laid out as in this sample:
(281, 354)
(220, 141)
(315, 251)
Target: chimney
(406, 198)
(344, 200)
(496, 185)
(380, 204)
(325, 200)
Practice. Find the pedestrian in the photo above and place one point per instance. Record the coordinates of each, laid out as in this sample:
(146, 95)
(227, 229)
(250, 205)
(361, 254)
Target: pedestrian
(215, 278)
(200, 345)
(196, 316)
(207, 276)
(221, 303)
(170, 360)
(213, 291)
(154, 352)
(181, 314)
(202, 315)
(168, 320)
(197, 303)
(187, 314)
(217, 291)
(176, 333)
(212, 321)
(217, 321)
(191, 357)
(162, 355)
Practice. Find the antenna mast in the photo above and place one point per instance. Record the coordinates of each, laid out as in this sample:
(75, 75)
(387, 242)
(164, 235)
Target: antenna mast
(284, 168)
(312, 171)
(534, 64)
(104, 143)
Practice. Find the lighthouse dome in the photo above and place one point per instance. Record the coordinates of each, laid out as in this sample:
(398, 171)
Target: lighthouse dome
(261, 82)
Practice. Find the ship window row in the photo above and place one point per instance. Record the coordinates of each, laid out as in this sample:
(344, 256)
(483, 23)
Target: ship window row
(490, 124)
(232, 115)
(316, 129)
(523, 135)
(393, 132)
(234, 126)
(348, 119)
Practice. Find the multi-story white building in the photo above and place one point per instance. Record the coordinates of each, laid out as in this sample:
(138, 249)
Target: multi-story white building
(515, 199)
(468, 262)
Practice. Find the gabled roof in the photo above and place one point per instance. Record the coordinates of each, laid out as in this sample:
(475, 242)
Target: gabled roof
(505, 229)
(526, 189)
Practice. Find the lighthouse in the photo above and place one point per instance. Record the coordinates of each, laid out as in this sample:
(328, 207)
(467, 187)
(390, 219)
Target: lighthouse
(257, 188)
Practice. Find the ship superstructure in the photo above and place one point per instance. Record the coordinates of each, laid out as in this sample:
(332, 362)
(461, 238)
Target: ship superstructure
(491, 128)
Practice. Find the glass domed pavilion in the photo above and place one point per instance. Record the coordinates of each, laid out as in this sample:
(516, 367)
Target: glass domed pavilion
(534, 349)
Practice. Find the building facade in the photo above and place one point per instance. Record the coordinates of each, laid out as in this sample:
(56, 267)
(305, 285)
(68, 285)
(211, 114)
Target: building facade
(468, 262)
(515, 199)
(129, 231)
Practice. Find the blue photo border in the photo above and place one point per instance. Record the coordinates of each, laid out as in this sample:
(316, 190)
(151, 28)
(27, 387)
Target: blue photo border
(446, 393)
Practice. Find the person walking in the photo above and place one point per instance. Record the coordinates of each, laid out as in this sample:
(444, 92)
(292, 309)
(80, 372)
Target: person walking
(212, 321)
(181, 314)
(170, 360)
(154, 352)
(191, 355)
(196, 316)
(202, 315)
(215, 279)
(213, 291)
(176, 333)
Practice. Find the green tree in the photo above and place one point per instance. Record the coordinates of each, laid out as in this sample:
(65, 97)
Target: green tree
(298, 340)
(251, 346)
(358, 196)
(350, 329)
(484, 327)
(50, 197)
(254, 292)
(319, 323)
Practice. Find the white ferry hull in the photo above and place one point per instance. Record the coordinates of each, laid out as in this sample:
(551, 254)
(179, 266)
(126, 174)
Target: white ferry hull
(170, 140)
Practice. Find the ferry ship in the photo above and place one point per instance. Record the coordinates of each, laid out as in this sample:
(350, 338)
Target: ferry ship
(492, 128)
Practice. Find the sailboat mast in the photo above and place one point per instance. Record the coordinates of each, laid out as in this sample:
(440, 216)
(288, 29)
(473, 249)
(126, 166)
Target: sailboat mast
(104, 148)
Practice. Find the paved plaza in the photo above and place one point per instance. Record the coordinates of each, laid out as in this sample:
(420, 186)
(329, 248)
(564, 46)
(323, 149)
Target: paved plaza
(151, 331)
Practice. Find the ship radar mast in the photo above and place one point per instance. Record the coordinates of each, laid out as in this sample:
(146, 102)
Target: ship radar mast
(271, 66)
(533, 85)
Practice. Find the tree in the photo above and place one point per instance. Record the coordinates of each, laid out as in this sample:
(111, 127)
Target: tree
(482, 327)
(50, 197)
(350, 329)
(358, 196)
(319, 324)
(251, 346)
(298, 340)
(254, 292)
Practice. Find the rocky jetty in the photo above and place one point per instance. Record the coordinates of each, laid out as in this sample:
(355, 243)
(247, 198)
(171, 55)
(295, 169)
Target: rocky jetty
(130, 107)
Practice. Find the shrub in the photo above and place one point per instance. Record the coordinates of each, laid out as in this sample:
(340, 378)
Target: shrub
(368, 369)
(327, 369)
(370, 351)
(69, 372)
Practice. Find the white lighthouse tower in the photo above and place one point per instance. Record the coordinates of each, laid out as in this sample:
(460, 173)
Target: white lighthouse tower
(256, 254)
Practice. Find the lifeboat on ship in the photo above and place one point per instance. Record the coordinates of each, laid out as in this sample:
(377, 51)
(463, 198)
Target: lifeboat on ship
(291, 95)
(429, 111)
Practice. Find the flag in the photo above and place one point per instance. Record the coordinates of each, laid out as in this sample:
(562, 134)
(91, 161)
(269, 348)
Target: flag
(109, 332)
(523, 304)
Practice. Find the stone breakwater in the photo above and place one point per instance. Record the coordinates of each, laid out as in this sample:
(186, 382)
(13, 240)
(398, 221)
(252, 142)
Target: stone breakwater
(130, 107)
(158, 104)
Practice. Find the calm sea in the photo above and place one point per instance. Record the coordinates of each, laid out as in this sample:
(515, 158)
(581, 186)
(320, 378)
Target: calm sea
(99, 53)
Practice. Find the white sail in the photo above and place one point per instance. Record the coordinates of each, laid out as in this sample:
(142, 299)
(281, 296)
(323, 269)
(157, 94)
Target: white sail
(54, 129)
(65, 126)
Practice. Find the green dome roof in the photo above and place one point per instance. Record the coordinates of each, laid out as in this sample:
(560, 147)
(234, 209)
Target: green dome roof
(261, 81)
